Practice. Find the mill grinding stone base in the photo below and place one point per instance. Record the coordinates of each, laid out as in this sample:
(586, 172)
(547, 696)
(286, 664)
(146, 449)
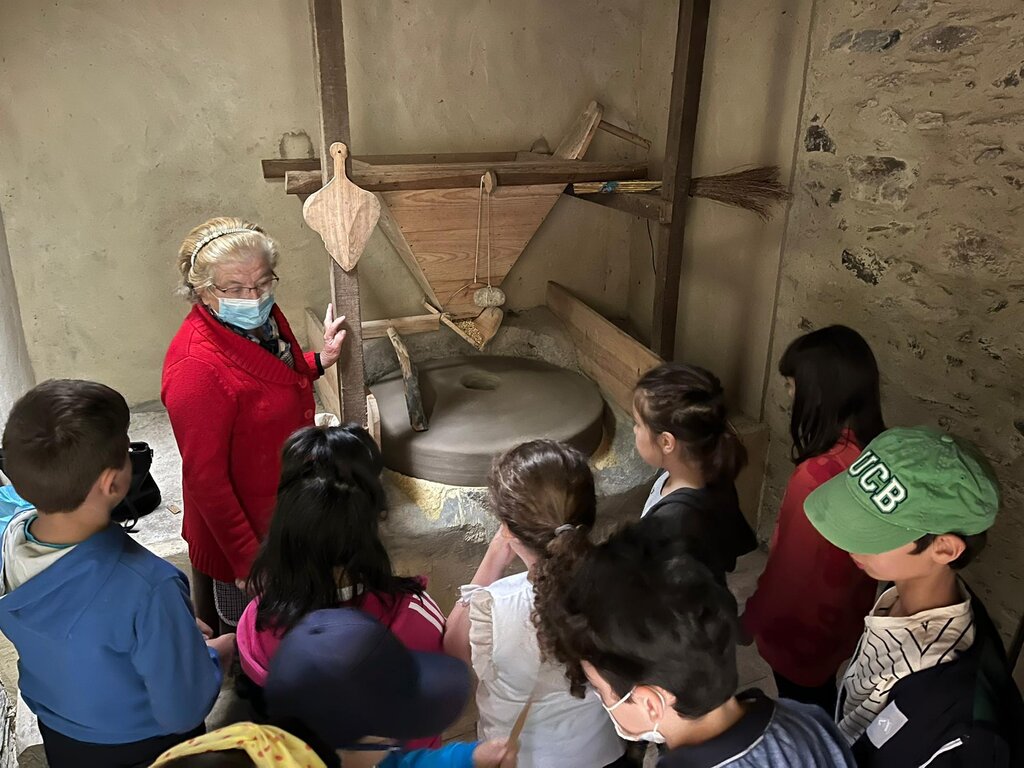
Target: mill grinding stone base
(479, 407)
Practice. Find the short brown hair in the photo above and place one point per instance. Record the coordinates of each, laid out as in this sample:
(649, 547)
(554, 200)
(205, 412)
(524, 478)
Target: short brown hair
(60, 437)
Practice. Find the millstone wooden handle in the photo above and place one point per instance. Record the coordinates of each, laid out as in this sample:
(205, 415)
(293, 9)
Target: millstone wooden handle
(343, 214)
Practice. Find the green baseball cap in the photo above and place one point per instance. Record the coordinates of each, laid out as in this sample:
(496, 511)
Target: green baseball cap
(907, 483)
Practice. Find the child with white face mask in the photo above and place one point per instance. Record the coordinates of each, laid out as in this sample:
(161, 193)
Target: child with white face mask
(654, 633)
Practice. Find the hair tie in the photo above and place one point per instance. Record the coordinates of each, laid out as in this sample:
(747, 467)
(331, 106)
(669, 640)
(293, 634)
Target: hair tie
(565, 528)
(210, 238)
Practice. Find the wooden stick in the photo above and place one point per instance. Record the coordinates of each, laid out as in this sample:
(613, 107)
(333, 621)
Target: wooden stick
(383, 178)
(687, 74)
(622, 133)
(332, 90)
(520, 723)
(376, 329)
(413, 398)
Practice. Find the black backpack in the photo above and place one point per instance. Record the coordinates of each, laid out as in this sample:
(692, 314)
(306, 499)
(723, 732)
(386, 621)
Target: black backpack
(143, 495)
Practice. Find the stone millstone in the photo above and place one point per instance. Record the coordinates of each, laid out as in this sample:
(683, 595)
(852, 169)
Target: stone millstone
(479, 407)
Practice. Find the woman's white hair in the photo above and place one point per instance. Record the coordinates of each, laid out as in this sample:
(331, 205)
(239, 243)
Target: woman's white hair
(221, 240)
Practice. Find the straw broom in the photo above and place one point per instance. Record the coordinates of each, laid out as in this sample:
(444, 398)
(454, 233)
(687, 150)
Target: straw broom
(755, 189)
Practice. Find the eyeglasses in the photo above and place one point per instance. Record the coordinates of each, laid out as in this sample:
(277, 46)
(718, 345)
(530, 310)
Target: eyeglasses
(262, 288)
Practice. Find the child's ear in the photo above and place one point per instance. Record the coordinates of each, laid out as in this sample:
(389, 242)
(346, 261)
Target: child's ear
(667, 442)
(946, 548)
(653, 704)
(114, 482)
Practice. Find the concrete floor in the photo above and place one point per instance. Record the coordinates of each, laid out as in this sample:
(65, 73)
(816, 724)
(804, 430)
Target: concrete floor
(161, 533)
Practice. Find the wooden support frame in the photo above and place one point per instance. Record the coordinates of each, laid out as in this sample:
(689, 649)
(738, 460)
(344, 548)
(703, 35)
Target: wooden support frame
(687, 75)
(411, 176)
(332, 91)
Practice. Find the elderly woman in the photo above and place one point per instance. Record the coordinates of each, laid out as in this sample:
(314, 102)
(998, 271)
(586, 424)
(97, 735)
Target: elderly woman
(236, 384)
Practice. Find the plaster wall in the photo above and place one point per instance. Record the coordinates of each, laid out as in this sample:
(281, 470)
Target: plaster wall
(136, 121)
(15, 369)
(907, 226)
(750, 100)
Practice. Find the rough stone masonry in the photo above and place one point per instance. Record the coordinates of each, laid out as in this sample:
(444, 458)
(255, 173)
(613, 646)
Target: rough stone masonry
(907, 225)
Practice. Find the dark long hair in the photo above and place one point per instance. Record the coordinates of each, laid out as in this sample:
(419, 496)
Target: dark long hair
(836, 381)
(324, 532)
(688, 403)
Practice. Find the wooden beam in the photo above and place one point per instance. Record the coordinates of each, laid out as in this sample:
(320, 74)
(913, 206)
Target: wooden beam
(332, 90)
(606, 353)
(574, 144)
(644, 204)
(622, 133)
(376, 329)
(327, 386)
(384, 178)
(411, 384)
(691, 37)
(278, 167)
(387, 224)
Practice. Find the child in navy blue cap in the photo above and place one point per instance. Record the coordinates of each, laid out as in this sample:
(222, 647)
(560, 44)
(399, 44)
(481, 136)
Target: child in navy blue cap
(342, 682)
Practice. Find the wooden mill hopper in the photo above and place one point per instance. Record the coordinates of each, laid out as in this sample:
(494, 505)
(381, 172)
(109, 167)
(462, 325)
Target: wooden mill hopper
(431, 207)
(441, 233)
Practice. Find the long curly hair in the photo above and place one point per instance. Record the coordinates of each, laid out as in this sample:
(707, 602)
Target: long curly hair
(543, 491)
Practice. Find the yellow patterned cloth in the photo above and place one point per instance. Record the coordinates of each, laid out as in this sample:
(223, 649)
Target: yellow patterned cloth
(264, 744)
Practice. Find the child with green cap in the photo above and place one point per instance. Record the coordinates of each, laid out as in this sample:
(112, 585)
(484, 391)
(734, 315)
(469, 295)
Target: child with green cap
(929, 683)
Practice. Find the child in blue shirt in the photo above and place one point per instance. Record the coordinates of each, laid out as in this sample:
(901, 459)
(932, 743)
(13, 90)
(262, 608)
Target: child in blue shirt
(111, 659)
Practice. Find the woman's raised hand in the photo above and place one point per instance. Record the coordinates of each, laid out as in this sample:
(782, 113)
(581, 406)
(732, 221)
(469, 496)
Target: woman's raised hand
(333, 338)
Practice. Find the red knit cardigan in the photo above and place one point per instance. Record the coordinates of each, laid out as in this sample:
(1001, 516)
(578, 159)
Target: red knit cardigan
(232, 404)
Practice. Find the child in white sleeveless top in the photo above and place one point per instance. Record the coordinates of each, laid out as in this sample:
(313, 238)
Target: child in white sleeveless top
(543, 494)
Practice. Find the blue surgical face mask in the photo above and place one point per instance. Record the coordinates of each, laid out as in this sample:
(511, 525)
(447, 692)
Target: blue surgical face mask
(247, 314)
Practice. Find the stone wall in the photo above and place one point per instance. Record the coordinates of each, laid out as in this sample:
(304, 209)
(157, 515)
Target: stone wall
(907, 226)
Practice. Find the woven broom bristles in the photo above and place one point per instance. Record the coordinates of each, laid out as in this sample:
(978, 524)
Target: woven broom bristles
(756, 189)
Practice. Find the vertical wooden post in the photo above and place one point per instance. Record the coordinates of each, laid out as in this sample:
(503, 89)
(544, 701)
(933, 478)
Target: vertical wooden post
(332, 90)
(687, 73)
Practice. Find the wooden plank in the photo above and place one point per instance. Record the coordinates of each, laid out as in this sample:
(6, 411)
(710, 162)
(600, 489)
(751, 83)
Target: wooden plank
(393, 233)
(376, 329)
(615, 361)
(606, 353)
(644, 204)
(350, 375)
(622, 133)
(277, 167)
(331, 78)
(687, 73)
(575, 143)
(410, 383)
(438, 157)
(440, 228)
(332, 92)
(373, 418)
(383, 178)
(327, 385)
